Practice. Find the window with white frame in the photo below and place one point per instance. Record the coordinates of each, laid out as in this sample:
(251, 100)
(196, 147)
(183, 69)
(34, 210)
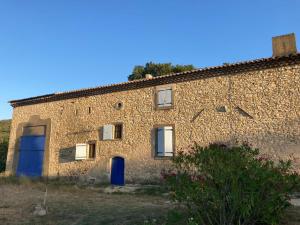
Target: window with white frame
(85, 151)
(164, 97)
(164, 144)
(113, 131)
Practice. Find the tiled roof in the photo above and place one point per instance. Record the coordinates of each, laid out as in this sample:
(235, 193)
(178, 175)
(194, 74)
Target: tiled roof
(226, 69)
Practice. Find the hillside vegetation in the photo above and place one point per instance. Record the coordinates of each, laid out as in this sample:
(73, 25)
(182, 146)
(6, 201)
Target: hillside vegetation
(4, 129)
(4, 136)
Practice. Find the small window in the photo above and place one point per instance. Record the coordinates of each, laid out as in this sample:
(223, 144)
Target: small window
(92, 150)
(119, 105)
(118, 131)
(164, 97)
(111, 132)
(164, 141)
(89, 110)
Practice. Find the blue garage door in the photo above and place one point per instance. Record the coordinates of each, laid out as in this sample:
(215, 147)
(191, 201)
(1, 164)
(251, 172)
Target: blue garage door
(117, 171)
(31, 156)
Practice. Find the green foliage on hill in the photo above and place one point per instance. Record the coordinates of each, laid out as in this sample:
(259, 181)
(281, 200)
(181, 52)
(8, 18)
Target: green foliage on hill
(4, 129)
(3, 154)
(4, 136)
(157, 69)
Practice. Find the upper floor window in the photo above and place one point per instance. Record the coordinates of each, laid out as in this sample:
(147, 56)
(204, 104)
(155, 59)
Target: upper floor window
(164, 143)
(112, 131)
(164, 97)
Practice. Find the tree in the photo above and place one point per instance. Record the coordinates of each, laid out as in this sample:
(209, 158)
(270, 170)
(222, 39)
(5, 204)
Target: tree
(3, 154)
(157, 69)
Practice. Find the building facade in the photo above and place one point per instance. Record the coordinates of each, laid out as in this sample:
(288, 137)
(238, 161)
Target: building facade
(145, 122)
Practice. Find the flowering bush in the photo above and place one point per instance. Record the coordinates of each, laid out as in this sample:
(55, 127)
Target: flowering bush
(231, 186)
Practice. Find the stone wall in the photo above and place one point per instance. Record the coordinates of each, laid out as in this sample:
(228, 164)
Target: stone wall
(260, 107)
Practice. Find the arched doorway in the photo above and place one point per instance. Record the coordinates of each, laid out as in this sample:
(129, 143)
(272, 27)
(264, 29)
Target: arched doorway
(117, 171)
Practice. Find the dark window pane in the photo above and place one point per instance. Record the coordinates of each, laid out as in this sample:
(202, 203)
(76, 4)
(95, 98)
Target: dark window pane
(118, 131)
(92, 150)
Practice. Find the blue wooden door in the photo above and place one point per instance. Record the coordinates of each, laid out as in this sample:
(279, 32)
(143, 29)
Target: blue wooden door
(117, 171)
(31, 156)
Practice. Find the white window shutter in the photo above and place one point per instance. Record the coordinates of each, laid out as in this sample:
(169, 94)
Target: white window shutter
(164, 97)
(81, 151)
(108, 132)
(168, 97)
(168, 141)
(161, 98)
(165, 141)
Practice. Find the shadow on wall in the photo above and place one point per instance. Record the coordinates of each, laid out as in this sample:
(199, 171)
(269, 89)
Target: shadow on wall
(279, 140)
(67, 155)
(280, 143)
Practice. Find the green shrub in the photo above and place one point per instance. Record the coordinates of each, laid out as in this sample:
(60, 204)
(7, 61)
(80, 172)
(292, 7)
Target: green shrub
(3, 154)
(231, 186)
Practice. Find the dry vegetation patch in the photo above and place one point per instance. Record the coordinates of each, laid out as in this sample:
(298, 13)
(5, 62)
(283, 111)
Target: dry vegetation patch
(71, 205)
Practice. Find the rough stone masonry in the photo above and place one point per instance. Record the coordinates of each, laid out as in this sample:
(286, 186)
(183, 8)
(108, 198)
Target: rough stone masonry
(255, 101)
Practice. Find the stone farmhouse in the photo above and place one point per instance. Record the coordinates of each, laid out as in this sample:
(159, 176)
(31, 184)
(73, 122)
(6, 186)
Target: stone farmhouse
(131, 130)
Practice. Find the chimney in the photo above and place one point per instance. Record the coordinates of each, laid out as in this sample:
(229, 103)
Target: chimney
(284, 45)
(148, 76)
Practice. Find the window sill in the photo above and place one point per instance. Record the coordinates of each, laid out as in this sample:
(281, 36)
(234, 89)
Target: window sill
(164, 107)
(91, 159)
(163, 157)
(83, 160)
(119, 139)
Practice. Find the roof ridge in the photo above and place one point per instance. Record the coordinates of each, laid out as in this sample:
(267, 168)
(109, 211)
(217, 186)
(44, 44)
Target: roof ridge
(152, 81)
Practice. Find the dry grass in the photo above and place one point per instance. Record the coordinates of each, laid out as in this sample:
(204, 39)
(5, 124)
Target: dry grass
(69, 204)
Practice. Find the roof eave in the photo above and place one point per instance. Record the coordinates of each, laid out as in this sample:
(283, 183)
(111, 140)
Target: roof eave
(234, 68)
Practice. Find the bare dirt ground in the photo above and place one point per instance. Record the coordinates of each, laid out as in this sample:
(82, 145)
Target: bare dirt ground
(76, 206)
(72, 205)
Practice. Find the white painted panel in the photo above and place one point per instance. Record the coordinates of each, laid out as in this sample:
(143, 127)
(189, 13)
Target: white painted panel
(81, 151)
(161, 98)
(168, 97)
(164, 97)
(160, 142)
(168, 141)
(108, 132)
(165, 141)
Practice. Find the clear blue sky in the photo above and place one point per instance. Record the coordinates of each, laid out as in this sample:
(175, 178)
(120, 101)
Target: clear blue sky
(58, 45)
